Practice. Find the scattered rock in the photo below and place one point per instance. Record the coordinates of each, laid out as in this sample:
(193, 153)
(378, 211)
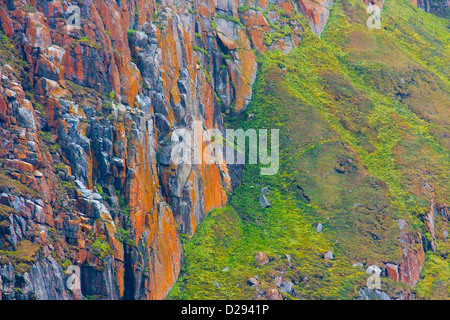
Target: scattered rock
(253, 281)
(369, 294)
(289, 258)
(328, 255)
(319, 228)
(264, 201)
(392, 272)
(262, 258)
(403, 225)
(273, 294)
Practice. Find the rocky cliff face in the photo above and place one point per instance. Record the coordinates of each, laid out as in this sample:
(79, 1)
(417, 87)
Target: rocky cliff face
(86, 113)
(438, 7)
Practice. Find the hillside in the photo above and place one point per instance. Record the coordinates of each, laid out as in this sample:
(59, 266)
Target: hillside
(89, 104)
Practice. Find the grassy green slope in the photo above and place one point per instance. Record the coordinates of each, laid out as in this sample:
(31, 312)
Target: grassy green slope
(364, 126)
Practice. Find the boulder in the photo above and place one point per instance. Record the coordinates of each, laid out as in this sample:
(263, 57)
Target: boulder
(265, 191)
(273, 294)
(392, 272)
(264, 201)
(328, 255)
(319, 228)
(262, 258)
(284, 284)
(253, 281)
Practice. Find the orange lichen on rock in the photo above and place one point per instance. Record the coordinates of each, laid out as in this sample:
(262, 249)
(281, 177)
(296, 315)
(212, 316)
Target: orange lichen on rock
(242, 73)
(6, 23)
(166, 247)
(413, 255)
(37, 32)
(257, 26)
(317, 13)
(214, 194)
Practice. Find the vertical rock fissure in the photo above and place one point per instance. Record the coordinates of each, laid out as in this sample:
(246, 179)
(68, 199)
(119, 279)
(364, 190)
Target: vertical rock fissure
(129, 280)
